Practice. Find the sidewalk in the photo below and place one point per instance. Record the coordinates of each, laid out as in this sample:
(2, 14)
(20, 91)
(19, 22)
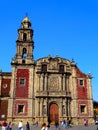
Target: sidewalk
(52, 127)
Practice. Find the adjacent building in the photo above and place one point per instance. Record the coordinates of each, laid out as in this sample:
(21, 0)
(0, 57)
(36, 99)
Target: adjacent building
(49, 89)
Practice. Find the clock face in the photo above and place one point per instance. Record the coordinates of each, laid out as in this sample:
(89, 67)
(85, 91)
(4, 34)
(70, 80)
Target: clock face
(4, 85)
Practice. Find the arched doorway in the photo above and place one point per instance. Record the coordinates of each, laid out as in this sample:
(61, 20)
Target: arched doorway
(53, 113)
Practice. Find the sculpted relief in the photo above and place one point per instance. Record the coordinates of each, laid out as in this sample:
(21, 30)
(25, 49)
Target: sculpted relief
(53, 83)
(53, 65)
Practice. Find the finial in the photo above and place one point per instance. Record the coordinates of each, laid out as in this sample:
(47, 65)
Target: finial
(72, 59)
(56, 56)
(26, 14)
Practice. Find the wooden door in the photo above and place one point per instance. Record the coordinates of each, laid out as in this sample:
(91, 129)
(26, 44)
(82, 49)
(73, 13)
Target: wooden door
(54, 113)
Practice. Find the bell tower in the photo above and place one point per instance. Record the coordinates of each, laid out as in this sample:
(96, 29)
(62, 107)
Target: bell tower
(21, 104)
(25, 44)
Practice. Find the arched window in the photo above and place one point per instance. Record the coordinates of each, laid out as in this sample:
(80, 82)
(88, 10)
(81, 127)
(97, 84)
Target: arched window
(24, 37)
(24, 53)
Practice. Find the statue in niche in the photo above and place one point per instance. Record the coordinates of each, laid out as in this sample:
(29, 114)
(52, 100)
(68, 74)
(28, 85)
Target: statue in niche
(44, 109)
(63, 110)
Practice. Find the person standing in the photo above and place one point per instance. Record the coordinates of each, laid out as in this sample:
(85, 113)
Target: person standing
(20, 126)
(2, 124)
(27, 126)
(43, 126)
(69, 123)
(36, 124)
(64, 123)
(57, 125)
(47, 127)
(9, 126)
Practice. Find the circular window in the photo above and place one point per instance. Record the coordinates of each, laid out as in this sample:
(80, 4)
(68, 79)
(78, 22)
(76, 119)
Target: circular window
(4, 85)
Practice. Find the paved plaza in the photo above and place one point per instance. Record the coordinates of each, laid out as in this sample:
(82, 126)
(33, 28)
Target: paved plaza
(52, 127)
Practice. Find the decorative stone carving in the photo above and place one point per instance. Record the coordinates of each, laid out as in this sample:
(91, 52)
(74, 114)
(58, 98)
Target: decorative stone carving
(53, 83)
(53, 65)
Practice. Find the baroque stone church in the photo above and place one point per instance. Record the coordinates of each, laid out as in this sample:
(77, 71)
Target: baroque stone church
(49, 89)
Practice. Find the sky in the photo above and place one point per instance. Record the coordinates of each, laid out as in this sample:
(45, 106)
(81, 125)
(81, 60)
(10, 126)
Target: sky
(67, 28)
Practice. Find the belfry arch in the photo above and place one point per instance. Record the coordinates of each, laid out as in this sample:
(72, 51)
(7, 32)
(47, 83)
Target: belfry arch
(24, 53)
(24, 37)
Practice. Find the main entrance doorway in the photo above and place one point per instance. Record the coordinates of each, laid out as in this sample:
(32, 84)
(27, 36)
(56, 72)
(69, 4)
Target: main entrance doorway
(54, 113)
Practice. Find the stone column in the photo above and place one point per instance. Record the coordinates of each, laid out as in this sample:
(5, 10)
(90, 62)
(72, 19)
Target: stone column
(69, 108)
(41, 83)
(13, 83)
(67, 83)
(12, 94)
(61, 108)
(64, 82)
(89, 87)
(46, 82)
(65, 107)
(38, 107)
(38, 82)
(31, 82)
(60, 83)
(46, 107)
(41, 107)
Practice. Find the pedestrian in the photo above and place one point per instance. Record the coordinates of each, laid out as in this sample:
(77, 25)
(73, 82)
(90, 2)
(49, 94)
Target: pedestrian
(69, 123)
(2, 125)
(84, 122)
(27, 126)
(64, 123)
(57, 125)
(36, 124)
(43, 126)
(47, 127)
(5, 125)
(20, 125)
(9, 127)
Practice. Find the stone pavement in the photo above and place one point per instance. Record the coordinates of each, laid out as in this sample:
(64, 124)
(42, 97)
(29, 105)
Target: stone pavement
(52, 127)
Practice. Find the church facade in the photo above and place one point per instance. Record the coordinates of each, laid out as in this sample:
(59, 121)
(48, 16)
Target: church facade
(49, 89)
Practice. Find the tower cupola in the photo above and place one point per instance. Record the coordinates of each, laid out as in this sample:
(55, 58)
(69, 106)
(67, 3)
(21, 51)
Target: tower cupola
(25, 43)
(26, 23)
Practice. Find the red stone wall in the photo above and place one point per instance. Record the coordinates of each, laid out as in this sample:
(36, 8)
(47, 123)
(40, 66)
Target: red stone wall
(20, 102)
(22, 91)
(82, 94)
(83, 102)
(3, 108)
(5, 91)
(82, 90)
